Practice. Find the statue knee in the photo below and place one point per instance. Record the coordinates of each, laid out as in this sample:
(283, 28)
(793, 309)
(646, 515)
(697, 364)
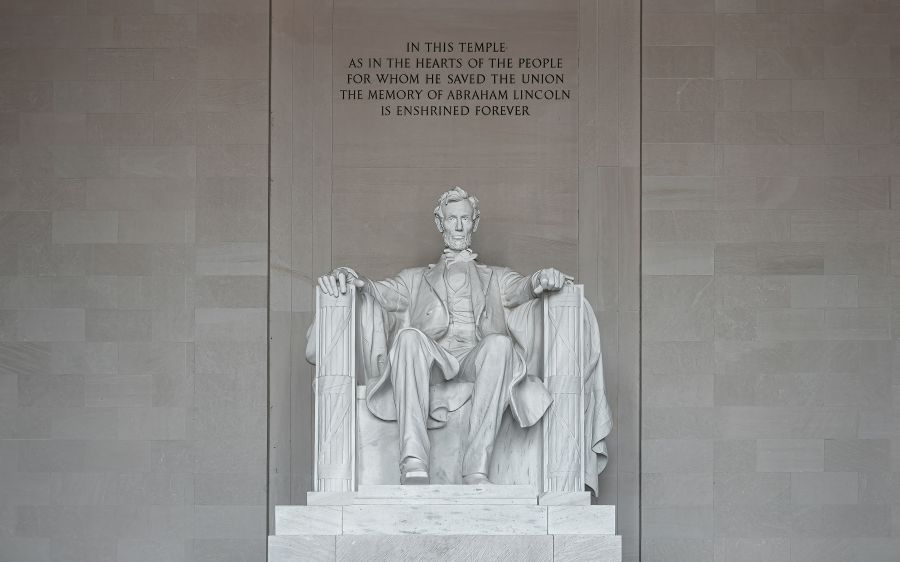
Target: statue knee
(497, 343)
(408, 338)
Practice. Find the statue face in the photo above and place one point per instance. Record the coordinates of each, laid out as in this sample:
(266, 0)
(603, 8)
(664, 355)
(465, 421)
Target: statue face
(458, 225)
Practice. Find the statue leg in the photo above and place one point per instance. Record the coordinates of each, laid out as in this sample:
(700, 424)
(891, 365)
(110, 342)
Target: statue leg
(491, 363)
(410, 370)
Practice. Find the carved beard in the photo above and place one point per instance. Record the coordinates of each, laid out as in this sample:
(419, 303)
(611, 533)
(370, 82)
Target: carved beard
(457, 244)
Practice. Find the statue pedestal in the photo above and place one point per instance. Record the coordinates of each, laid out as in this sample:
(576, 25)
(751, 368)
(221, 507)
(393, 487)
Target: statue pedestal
(446, 523)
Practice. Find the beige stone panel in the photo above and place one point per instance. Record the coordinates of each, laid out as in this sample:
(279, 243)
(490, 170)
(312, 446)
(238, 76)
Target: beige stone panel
(678, 6)
(80, 161)
(68, 32)
(166, 96)
(878, 94)
(159, 162)
(230, 7)
(91, 97)
(232, 95)
(84, 227)
(44, 64)
(678, 126)
(678, 193)
(678, 226)
(735, 62)
(219, 161)
(825, 95)
(248, 127)
(828, 160)
(366, 198)
(813, 226)
(173, 64)
(119, 64)
(174, 129)
(25, 97)
(52, 128)
(35, 194)
(221, 62)
(120, 129)
(231, 29)
(754, 95)
(139, 194)
(678, 94)
(153, 227)
(753, 30)
(678, 258)
(791, 62)
(858, 128)
(748, 160)
(157, 30)
(857, 62)
(678, 159)
(678, 62)
(678, 29)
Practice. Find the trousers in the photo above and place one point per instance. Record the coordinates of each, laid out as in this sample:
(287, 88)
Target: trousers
(489, 365)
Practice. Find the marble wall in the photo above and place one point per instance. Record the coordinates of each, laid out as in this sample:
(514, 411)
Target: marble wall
(133, 244)
(771, 279)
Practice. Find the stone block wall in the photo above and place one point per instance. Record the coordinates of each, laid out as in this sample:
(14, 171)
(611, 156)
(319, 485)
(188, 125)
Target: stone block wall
(133, 250)
(771, 232)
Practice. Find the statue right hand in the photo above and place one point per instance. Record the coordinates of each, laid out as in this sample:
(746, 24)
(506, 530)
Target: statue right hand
(335, 283)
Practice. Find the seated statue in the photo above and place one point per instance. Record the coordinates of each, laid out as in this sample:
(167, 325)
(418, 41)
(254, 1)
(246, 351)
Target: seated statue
(433, 338)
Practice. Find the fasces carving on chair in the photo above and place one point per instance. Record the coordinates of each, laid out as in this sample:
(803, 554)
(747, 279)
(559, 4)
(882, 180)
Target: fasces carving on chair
(472, 373)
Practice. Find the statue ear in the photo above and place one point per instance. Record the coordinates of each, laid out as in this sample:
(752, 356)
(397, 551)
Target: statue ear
(439, 223)
(475, 224)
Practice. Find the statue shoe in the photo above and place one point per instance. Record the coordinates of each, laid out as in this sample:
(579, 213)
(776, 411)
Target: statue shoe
(476, 479)
(414, 472)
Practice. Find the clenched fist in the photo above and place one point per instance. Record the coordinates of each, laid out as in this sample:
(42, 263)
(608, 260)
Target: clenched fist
(549, 279)
(335, 283)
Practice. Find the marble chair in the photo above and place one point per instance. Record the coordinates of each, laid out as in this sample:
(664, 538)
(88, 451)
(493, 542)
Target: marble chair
(353, 447)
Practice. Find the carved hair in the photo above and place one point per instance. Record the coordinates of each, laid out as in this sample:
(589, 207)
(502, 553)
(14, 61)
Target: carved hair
(452, 196)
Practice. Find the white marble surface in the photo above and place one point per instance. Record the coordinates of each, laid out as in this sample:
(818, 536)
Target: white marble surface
(446, 495)
(307, 520)
(565, 498)
(445, 520)
(329, 498)
(579, 548)
(581, 520)
(458, 548)
(307, 548)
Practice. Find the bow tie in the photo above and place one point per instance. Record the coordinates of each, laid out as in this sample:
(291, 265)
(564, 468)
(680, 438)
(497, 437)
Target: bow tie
(451, 256)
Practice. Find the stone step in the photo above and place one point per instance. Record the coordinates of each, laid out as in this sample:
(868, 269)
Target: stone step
(446, 495)
(450, 548)
(449, 519)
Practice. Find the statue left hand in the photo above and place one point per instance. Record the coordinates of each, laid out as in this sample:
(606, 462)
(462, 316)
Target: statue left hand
(549, 279)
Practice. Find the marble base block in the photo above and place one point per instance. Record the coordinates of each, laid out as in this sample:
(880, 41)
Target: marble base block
(445, 523)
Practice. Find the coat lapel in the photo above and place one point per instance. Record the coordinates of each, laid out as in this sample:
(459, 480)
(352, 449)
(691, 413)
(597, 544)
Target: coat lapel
(435, 279)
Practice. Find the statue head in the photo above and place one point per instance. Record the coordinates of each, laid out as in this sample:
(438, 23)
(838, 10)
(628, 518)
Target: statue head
(456, 217)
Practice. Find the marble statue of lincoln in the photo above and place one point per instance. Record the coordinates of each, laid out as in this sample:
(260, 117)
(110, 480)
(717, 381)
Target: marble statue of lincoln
(446, 341)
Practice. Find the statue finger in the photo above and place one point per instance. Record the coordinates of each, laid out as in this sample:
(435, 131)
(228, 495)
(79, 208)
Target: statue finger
(358, 283)
(322, 286)
(332, 286)
(342, 279)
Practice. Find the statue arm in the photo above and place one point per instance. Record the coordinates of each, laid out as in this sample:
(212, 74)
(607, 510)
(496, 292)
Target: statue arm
(392, 294)
(515, 289)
